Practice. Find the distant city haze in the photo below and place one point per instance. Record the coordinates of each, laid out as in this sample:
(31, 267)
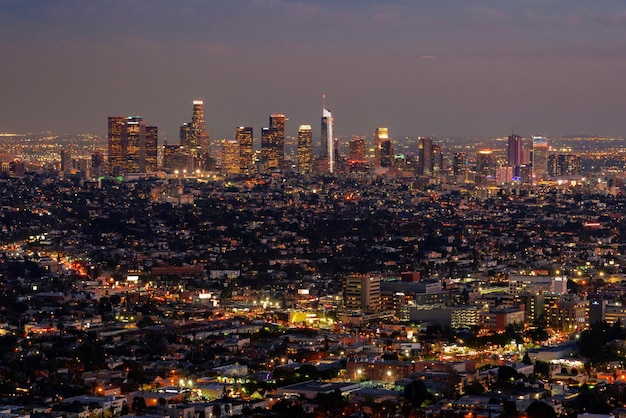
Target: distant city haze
(436, 68)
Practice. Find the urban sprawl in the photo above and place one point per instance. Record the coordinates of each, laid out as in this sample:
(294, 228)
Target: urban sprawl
(279, 276)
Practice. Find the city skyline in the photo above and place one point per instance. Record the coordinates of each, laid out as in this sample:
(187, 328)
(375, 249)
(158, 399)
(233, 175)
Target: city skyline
(441, 69)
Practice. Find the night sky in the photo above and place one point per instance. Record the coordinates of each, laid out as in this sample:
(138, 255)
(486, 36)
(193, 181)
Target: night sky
(419, 67)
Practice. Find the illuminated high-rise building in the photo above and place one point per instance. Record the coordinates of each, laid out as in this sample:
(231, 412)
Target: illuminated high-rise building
(459, 164)
(273, 143)
(485, 163)
(564, 165)
(97, 164)
(381, 140)
(425, 156)
(187, 135)
(169, 152)
(244, 137)
(514, 155)
(437, 159)
(231, 157)
(361, 292)
(327, 144)
(266, 145)
(132, 146)
(386, 153)
(135, 145)
(115, 143)
(127, 144)
(193, 135)
(277, 132)
(357, 149)
(540, 158)
(305, 149)
(66, 161)
(152, 142)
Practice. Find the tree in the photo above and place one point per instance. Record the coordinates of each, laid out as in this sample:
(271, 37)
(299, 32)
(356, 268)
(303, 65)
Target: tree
(115, 299)
(308, 371)
(474, 388)
(146, 321)
(217, 410)
(542, 369)
(507, 374)
(539, 409)
(416, 393)
(139, 405)
(331, 402)
(509, 410)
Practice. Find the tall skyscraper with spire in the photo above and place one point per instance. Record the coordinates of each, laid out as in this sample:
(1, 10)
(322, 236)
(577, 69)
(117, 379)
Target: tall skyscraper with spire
(193, 135)
(327, 145)
(195, 140)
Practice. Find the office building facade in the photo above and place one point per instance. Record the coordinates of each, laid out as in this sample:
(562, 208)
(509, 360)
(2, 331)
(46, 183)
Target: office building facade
(514, 156)
(305, 149)
(327, 146)
(356, 150)
(231, 157)
(362, 292)
(540, 159)
(382, 148)
(193, 135)
(131, 145)
(273, 143)
(245, 137)
(425, 155)
(152, 145)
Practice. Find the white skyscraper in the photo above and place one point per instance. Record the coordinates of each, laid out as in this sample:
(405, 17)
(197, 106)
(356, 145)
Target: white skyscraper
(327, 148)
(327, 137)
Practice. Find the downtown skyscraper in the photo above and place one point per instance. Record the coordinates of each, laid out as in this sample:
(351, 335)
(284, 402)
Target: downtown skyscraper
(231, 157)
(305, 149)
(514, 156)
(193, 135)
(195, 142)
(540, 159)
(244, 136)
(382, 148)
(132, 146)
(356, 148)
(152, 138)
(327, 146)
(273, 143)
(425, 163)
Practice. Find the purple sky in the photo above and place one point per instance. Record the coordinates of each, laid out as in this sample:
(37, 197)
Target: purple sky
(427, 67)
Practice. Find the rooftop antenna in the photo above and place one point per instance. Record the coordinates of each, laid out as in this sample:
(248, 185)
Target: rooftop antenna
(323, 100)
